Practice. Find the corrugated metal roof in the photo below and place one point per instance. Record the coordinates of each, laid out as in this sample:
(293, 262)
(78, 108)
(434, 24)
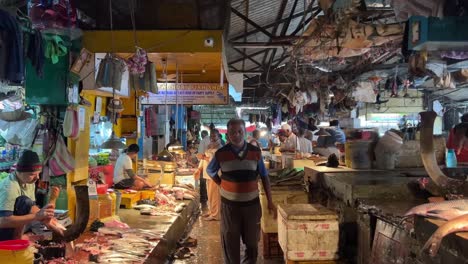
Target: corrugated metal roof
(263, 13)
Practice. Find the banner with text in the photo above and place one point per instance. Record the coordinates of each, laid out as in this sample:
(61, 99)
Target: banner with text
(189, 94)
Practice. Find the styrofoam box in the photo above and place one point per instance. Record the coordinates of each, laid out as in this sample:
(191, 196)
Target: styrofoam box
(308, 232)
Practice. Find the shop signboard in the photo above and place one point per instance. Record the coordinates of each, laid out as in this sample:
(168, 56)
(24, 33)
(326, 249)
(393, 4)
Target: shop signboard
(189, 94)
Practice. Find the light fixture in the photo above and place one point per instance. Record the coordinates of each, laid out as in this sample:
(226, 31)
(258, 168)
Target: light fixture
(113, 143)
(203, 69)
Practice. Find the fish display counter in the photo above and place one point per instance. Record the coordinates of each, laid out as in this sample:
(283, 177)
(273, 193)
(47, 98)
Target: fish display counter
(146, 233)
(389, 217)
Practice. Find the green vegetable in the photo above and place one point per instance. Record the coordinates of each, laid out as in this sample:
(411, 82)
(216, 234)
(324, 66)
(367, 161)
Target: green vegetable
(3, 175)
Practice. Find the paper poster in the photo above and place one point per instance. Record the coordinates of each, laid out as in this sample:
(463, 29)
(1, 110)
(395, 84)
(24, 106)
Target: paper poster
(81, 118)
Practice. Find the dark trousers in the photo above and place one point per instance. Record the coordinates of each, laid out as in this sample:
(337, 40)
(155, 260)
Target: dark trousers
(23, 206)
(240, 220)
(203, 190)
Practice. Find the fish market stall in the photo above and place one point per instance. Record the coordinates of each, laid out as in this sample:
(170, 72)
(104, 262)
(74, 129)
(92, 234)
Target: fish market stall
(146, 239)
(344, 192)
(147, 233)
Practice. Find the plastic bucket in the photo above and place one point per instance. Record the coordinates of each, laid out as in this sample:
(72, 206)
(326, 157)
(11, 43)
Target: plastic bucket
(15, 251)
(357, 154)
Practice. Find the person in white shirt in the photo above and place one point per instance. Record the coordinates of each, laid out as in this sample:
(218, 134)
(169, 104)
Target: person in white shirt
(202, 147)
(291, 143)
(124, 176)
(304, 144)
(214, 198)
(203, 144)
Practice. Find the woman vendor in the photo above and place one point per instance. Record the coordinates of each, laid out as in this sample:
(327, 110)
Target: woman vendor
(17, 199)
(124, 177)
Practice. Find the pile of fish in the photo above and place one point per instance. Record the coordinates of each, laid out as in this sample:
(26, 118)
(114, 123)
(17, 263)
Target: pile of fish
(165, 201)
(120, 245)
(284, 175)
(455, 212)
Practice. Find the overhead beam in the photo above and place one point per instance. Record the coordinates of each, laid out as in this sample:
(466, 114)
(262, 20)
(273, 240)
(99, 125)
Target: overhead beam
(254, 31)
(247, 57)
(249, 72)
(152, 40)
(255, 25)
(275, 28)
(261, 45)
(305, 22)
(288, 22)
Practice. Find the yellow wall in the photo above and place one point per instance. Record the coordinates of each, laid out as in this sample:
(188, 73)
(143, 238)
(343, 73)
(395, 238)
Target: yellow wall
(153, 40)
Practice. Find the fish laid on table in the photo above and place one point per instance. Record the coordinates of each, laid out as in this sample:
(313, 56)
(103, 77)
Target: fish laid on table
(179, 208)
(112, 231)
(446, 210)
(144, 206)
(458, 224)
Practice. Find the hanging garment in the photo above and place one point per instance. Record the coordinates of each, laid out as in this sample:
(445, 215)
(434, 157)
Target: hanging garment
(52, 14)
(35, 52)
(151, 123)
(110, 72)
(13, 71)
(55, 47)
(147, 81)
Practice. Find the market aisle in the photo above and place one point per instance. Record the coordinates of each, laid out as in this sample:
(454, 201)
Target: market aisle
(208, 250)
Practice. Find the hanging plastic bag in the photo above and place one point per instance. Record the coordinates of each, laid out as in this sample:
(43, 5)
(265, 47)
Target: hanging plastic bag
(110, 72)
(70, 123)
(61, 161)
(20, 132)
(105, 72)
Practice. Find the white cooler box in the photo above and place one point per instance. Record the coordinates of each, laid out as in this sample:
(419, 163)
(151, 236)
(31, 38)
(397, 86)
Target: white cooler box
(308, 232)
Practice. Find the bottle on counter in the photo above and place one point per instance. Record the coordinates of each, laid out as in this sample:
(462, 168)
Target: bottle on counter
(451, 159)
(105, 205)
(113, 196)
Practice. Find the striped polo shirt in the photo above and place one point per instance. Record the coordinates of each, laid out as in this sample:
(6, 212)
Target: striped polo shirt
(240, 170)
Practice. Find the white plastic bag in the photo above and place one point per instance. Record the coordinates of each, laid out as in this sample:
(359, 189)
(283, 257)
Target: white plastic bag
(20, 132)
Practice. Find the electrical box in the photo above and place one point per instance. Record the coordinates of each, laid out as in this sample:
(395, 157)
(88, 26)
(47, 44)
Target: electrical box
(433, 33)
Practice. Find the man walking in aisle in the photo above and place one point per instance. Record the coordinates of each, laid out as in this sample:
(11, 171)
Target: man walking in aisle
(240, 164)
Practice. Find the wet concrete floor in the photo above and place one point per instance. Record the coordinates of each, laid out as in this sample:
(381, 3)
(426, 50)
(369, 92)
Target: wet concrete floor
(208, 250)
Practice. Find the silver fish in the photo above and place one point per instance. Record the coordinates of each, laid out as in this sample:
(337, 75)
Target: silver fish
(455, 225)
(144, 206)
(446, 210)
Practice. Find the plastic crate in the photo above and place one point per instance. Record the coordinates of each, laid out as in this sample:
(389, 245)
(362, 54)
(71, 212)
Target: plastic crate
(129, 199)
(271, 247)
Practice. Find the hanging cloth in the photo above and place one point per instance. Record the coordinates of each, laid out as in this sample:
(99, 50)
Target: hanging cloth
(55, 47)
(13, 71)
(36, 52)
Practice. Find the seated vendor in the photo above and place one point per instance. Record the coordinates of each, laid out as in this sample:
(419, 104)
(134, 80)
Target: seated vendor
(456, 140)
(17, 199)
(326, 143)
(124, 177)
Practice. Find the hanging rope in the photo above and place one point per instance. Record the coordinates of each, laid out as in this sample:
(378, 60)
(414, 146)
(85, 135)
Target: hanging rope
(132, 17)
(111, 27)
